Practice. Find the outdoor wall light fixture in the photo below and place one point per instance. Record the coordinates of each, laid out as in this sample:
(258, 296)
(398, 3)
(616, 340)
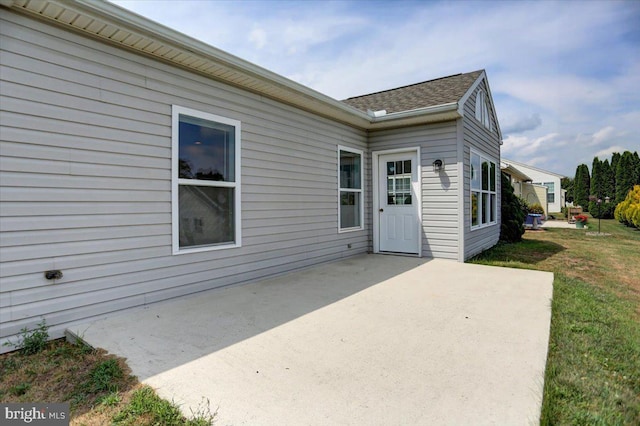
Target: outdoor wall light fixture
(438, 165)
(53, 275)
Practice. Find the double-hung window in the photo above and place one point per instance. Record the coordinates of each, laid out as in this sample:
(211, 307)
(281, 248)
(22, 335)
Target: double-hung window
(484, 199)
(205, 181)
(350, 210)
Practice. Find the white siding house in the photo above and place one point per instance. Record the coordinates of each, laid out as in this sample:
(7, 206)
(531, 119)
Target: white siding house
(539, 177)
(145, 165)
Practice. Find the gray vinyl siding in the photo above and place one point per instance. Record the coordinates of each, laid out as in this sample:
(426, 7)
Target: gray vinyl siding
(85, 181)
(485, 142)
(439, 191)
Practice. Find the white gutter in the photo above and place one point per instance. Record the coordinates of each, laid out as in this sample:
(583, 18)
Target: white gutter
(452, 106)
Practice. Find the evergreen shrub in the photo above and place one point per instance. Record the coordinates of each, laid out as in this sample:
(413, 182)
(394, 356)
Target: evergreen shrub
(513, 213)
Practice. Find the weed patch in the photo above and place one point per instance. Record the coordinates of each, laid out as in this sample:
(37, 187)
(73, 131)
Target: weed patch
(98, 386)
(147, 408)
(32, 341)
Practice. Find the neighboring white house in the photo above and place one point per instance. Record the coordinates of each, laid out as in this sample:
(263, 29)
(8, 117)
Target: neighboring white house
(555, 193)
(523, 188)
(143, 165)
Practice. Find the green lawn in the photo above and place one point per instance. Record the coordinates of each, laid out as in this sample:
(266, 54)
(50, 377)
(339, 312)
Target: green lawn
(593, 366)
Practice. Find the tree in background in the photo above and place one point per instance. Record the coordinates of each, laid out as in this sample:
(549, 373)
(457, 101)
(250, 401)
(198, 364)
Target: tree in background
(581, 187)
(567, 184)
(601, 187)
(512, 213)
(636, 158)
(615, 159)
(627, 174)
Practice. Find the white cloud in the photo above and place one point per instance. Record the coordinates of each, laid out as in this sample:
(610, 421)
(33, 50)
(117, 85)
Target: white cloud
(523, 146)
(605, 153)
(522, 124)
(603, 135)
(541, 161)
(258, 37)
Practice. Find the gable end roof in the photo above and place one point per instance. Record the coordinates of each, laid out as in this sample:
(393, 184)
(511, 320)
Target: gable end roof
(440, 91)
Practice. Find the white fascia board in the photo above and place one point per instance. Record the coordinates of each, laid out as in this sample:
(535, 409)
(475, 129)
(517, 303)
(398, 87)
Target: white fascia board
(413, 117)
(452, 106)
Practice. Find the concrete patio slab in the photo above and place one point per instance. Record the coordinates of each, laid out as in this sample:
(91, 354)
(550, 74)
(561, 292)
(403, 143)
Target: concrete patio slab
(370, 340)
(560, 224)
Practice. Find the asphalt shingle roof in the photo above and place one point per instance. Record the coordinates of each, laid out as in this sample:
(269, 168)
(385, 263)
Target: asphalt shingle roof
(420, 95)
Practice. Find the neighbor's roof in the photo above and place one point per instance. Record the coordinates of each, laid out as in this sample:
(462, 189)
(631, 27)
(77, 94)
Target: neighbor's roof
(537, 169)
(441, 91)
(513, 171)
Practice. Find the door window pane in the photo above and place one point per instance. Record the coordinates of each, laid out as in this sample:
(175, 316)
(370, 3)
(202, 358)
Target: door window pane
(391, 168)
(399, 190)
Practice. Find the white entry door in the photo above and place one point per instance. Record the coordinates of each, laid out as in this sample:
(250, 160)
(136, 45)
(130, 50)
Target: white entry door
(399, 224)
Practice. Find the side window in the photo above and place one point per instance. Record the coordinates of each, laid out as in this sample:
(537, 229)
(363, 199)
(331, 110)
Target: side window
(484, 196)
(205, 181)
(350, 203)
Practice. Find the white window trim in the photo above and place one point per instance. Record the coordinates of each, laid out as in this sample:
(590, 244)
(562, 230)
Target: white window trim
(481, 191)
(176, 182)
(360, 191)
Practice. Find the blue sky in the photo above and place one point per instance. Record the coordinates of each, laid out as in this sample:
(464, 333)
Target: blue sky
(565, 76)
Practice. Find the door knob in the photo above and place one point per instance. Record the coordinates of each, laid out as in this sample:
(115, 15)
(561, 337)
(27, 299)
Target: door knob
(381, 210)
